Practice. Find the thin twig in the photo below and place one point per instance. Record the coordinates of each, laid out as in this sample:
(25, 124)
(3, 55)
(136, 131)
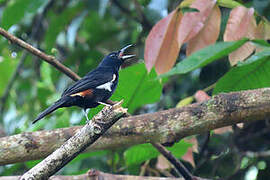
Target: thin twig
(177, 164)
(77, 143)
(50, 59)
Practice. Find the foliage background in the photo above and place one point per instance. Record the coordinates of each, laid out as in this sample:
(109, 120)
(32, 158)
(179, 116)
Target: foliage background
(80, 33)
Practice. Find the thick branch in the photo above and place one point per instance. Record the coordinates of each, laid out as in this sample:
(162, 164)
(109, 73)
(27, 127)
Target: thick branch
(94, 175)
(77, 143)
(160, 127)
(50, 59)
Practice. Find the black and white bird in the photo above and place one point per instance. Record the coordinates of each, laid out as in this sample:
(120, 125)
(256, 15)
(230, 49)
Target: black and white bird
(95, 88)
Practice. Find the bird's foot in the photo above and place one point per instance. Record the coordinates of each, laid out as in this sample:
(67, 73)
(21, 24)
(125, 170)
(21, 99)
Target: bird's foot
(86, 115)
(87, 119)
(105, 104)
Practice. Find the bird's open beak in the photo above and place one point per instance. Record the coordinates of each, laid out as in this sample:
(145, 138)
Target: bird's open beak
(122, 51)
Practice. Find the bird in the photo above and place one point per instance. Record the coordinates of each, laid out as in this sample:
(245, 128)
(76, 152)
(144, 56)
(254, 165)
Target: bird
(95, 88)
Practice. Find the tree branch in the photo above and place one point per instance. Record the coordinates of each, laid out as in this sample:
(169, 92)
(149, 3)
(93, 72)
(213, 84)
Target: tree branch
(50, 59)
(95, 174)
(175, 162)
(160, 127)
(77, 143)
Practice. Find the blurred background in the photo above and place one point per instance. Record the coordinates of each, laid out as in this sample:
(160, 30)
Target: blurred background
(79, 33)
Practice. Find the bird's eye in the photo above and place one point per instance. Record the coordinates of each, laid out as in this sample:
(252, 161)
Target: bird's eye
(112, 55)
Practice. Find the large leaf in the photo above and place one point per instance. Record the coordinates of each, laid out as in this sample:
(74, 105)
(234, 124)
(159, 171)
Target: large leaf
(252, 74)
(193, 22)
(136, 87)
(208, 35)
(161, 47)
(205, 56)
(241, 23)
(167, 36)
(16, 10)
(140, 153)
(263, 30)
(143, 152)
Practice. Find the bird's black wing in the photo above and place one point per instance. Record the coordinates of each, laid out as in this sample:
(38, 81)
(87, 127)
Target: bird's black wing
(90, 81)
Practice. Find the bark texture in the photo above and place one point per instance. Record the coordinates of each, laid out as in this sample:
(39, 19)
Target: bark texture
(166, 126)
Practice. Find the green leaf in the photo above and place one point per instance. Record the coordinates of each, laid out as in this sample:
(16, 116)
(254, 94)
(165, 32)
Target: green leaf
(185, 101)
(179, 149)
(16, 10)
(188, 9)
(30, 164)
(261, 42)
(251, 74)
(140, 153)
(86, 155)
(137, 87)
(143, 152)
(205, 56)
(11, 169)
(228, 3)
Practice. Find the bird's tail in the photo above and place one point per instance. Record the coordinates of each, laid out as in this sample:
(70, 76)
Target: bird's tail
(58, 104)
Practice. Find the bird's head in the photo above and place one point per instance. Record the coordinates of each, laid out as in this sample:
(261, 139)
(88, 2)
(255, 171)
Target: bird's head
(117, 58)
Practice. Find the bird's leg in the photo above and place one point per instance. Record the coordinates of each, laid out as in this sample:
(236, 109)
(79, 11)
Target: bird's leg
(105, 104)
(86, 115)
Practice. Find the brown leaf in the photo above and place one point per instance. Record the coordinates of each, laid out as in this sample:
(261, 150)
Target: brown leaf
(161, 46)
(241, 23)
(208, 35)
(193, 22)
(163, 163)
(263, 31)
(189, 157)
(259, 34)
(201, 96)
(266, 31)
(189, 154)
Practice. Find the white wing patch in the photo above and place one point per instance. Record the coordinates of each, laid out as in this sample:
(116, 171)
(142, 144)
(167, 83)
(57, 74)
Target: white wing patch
(107, 86)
